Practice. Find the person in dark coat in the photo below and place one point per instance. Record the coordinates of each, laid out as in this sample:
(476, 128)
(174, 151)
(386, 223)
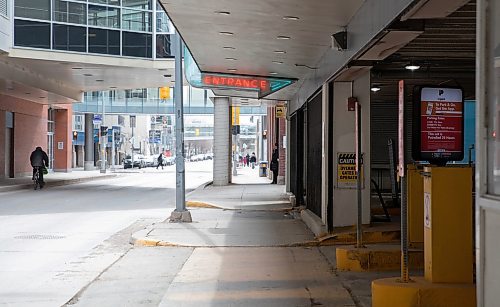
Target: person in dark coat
(247, 160)
(39, 160)
(275, 165)
(253, 160)
(160, 161)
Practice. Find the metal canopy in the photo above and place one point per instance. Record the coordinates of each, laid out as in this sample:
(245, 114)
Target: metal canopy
(275, 38)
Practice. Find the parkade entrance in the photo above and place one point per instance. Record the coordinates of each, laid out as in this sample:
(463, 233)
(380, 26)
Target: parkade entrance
(420, 42)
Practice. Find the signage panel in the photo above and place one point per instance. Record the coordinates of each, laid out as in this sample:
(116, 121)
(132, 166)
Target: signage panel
(438, 124)
(346, 170)
(280, 111)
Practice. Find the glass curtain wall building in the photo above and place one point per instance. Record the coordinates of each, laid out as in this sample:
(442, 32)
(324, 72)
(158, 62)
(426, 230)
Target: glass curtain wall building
(132, 28)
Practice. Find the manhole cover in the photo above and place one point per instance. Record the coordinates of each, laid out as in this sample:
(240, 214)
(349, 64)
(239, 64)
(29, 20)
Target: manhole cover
(39, 237)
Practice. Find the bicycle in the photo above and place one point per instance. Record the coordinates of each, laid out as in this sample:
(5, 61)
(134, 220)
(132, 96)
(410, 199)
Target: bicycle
(36, 179)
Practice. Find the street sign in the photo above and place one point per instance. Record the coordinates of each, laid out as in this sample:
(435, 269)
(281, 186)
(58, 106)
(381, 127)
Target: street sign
(155, 136)
(280, 111)
(132, 121)
(97, 119)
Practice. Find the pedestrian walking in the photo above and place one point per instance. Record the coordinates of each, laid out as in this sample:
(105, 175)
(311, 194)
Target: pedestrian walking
(253, 160)
(160, 161)
(248, 159)
(275, 165)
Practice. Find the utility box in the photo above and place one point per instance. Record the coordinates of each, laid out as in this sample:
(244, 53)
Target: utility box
(263, 169)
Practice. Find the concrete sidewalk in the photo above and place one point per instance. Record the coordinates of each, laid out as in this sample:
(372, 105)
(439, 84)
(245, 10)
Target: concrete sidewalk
(53, 179)
(249, 250)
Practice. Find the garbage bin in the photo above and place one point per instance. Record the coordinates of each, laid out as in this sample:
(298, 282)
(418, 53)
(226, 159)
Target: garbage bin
(263, 168)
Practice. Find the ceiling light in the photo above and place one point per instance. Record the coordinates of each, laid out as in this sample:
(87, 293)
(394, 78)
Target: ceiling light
(226, 33)
(375, 88)
(167, 75)
(99, 80)
(291, 18)
(244, 99)
(87, 75)
(10, 88)
(412, 66)
(76, 68)
(112, 87)
(41, 97)
(280, 51)
(27, 93)
(277, 62)
(283, 37)
(162, 69)
(232, 69)
(231, 59)
(229, 48)
(222, 13)
(273, 73)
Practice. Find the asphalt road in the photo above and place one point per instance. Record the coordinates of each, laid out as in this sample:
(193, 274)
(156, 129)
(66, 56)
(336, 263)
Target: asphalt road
(56, 241)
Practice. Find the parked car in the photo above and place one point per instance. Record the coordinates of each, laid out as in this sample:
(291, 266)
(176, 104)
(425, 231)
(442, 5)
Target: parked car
(209, 155)
(168, 160)
(151, 160)
(139, 161)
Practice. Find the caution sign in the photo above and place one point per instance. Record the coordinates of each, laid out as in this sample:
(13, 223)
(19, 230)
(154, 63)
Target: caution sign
(346, 170)
(280, 111)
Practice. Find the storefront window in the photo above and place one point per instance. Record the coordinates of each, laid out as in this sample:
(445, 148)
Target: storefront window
(494, 109)
(39, 9)
(104, 16)
(72, 12)
(136, 20)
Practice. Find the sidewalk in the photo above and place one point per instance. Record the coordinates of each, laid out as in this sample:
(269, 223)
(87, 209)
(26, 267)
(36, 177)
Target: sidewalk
(248, 250)
(54, 179)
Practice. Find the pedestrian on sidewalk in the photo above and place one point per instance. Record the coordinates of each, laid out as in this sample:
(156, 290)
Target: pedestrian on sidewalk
(275, 165)
(248, 160)
(253, 160)
(160, 161)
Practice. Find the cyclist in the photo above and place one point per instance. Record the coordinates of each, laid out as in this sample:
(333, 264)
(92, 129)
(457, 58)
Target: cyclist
(39, 159)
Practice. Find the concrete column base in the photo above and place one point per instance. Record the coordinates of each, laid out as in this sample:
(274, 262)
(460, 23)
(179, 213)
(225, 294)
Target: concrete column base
(88, 166)
(389, 292)
(314, 223)
(180, 217)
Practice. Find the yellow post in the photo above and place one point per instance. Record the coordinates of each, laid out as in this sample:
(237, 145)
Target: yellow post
(448, 250)
(415, 207)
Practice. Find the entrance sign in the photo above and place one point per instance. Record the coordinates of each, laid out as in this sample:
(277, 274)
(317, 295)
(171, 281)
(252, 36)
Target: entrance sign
(262, 86)
(438, 124)
(346, 170)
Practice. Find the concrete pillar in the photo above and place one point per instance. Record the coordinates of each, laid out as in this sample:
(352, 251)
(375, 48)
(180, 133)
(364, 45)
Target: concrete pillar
(287, 170)
(222, 150)
(89, 142)
(345, 199)
(63, 145)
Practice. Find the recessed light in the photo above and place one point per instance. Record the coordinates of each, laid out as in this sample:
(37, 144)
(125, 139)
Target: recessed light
(375, 88)
(280, 51)
(88, 75)
(41, 97)
(231, 59)
(277, 62)
(27, 93)
(167, 75)
(99, 80)
(244, 99)
(162, 69)
(412, 67)
(10, 88)
(232, 69)
(222, 13)
(229, 48)
(112, 87)
(76, 68)
(273, 73)
(291, 18)
(226, 33)
(283, 37)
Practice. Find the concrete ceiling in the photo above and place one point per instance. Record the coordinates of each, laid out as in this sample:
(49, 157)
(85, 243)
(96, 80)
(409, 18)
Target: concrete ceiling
(256, 46)
(63, 77)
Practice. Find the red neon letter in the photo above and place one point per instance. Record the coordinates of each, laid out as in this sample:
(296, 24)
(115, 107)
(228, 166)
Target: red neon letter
(263, 84)
(246, 83)
(254, 83)
(215, 80)
(207, 80)
(238, 83)
(230, 81)
(222, 80)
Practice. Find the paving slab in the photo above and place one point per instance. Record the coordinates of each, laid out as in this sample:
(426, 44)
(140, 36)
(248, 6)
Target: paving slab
(256, 277)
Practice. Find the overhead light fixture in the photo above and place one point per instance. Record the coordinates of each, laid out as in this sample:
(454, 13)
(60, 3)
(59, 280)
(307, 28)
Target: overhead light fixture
(41, 97)
(232, 69)
(27, 93)
(412, 66)
(226, 33)
(229, 48)
(231, 59)
(162, 69)
(87, 75)
(277, 62)
(99, 80)
(167, 75)
(279, 51)
(283, 37)
(273, 73)
(375, 88)
(222, 13)
(76, 68)
(291, 18)
(113, 87)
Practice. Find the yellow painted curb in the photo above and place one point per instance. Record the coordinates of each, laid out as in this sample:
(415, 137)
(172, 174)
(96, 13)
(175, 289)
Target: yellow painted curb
(375, 258)
(369, 237)
(149, 242)
(200, 204)
(388, 292)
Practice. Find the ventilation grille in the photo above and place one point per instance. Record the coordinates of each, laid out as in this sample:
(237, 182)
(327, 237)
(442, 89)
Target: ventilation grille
(3, 7)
